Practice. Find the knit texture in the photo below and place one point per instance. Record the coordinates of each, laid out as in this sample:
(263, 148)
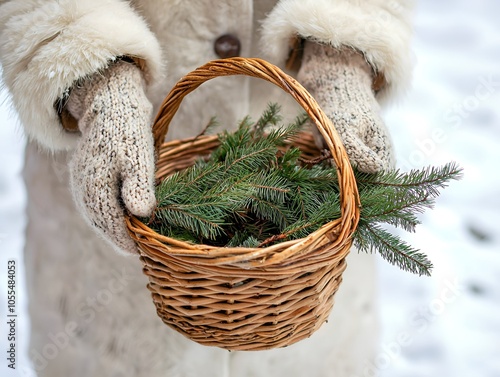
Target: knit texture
(341, 81)
(113, 164)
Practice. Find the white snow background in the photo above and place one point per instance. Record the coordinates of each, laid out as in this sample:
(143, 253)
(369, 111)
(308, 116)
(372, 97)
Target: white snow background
(449, 324)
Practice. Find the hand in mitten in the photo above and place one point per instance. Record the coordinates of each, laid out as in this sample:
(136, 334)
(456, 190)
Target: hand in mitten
(341, 82)
(114, 160)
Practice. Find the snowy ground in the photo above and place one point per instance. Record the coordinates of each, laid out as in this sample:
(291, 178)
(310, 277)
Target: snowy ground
(447, 325)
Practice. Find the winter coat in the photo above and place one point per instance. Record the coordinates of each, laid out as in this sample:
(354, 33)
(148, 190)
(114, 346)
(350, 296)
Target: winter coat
(90, 310)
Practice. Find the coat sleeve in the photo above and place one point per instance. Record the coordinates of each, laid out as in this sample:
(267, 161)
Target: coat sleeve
(380, 29)
(46, 45)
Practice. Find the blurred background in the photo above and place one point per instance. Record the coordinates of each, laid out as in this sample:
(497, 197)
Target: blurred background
(452, 319)
(445, 325)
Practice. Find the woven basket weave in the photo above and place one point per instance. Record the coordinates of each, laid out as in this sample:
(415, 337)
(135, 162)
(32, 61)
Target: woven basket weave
(246, 298)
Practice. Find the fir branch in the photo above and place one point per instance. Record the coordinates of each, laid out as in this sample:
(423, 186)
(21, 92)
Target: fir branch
(187, 179)
(254, 160)
(257, 190)
(197, 223)
(277, 213)
(271, 186)
(429, 179)
(270, 116)
(250, 242)
(279, 136)
(369, 237)
(393, 207)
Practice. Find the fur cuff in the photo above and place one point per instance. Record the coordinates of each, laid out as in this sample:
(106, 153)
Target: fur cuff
(379, 29)
(45, 46)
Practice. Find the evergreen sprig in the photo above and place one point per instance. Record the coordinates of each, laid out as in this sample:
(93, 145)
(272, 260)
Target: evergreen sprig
(253, 192)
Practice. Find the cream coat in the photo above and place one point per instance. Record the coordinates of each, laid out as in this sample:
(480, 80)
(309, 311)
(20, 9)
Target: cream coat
(91, 313)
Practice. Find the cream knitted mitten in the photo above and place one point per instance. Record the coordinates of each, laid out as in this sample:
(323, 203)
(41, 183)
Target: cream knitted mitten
(341, 81)
(114, 160)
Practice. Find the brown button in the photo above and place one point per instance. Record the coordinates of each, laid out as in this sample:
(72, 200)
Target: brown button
(227, 46)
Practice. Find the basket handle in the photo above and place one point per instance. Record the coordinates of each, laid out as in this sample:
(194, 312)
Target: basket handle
(262, 69)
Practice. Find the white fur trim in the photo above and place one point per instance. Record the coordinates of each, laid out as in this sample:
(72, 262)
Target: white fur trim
(380, 29)
(45, 46)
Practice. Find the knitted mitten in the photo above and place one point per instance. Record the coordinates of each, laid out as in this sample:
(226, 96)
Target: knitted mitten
(341, 81)
(114, 159)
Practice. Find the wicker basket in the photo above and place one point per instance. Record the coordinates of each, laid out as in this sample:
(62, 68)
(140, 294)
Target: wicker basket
(246, 298)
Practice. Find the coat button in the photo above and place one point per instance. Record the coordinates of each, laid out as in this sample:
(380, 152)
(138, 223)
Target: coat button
(227, 46)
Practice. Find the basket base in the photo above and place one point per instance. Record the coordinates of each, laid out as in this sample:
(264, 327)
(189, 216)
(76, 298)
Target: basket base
(246, 314)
